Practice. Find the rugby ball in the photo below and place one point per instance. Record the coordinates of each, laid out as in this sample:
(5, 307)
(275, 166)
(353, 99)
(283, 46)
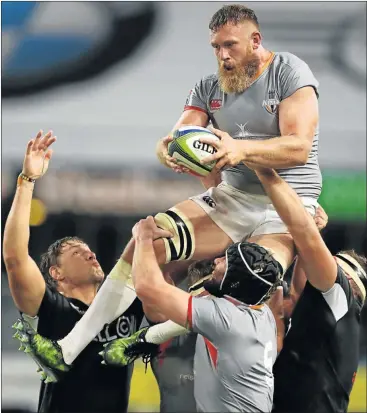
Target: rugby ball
(187, 149)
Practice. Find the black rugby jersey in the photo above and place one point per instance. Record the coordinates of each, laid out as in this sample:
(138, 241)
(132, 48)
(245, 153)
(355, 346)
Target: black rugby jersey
(316, 368)
(89, 386)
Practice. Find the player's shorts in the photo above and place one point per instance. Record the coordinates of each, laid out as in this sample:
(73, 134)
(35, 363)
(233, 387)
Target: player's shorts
(242, 215)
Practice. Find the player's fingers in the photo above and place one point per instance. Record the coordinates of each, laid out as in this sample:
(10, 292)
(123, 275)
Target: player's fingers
(213, 157)
(48, 155)
(37, 140)
(320, 212)
(167, 139)
(178, 170)
(218, 132)
(221, 164)
(44, 140)
(171, 165)
(170, 159)
(46, 137)
(50, 141)
(162, 233)
(210, 141)
(320, 223)
(29, 146)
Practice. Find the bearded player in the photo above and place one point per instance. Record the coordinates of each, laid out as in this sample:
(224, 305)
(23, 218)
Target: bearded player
(265, 108)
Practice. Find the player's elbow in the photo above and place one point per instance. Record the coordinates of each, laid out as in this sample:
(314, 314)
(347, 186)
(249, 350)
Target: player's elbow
(306, 147)
(148, 293)
(303, 151)
(12, 261)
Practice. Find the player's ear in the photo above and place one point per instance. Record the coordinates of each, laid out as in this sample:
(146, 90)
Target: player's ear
(256, 40)
(54, 271)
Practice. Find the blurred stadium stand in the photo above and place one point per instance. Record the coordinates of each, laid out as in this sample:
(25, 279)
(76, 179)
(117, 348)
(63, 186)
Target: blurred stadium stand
(119, 87)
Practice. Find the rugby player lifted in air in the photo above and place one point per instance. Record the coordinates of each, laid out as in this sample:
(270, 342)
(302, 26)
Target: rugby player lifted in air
(265, 105)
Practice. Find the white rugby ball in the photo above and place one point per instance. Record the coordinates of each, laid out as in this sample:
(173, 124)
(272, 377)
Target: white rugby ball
(187, 149)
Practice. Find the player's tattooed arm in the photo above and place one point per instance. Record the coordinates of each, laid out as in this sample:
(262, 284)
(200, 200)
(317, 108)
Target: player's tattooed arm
(26, 283)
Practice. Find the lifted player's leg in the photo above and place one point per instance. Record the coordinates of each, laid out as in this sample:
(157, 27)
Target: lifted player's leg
(280, 245)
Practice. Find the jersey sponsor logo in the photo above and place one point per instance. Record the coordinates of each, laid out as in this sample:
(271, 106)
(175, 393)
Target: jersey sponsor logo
(186, 377)
(209, 201)
(215, 104)
(243, 131)
(271, 104)
(122, 328)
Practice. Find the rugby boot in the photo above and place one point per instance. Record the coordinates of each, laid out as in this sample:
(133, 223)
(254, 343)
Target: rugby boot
(45, 352)
(124, 351)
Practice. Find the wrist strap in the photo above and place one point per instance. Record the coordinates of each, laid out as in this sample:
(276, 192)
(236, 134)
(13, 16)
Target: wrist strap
(25, 178)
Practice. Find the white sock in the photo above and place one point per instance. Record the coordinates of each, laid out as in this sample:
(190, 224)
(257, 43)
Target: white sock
(160, 333)
(113, 299)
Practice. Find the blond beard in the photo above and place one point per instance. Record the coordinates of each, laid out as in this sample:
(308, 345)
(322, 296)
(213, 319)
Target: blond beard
(239, 78)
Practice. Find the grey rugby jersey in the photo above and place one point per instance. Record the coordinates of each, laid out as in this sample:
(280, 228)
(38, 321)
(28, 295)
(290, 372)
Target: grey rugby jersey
(235, 352)
(253, 114)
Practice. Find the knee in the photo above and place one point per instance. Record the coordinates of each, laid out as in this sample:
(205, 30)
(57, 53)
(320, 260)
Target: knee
(182, 245)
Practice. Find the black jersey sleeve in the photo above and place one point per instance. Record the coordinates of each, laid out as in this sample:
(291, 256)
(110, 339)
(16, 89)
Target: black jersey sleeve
(340, 297)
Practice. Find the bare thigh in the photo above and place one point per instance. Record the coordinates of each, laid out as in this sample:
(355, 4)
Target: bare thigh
(281, 245)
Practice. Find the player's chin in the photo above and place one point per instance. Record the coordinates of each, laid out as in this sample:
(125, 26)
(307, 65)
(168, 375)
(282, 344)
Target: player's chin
(213, 287)
(98, 275)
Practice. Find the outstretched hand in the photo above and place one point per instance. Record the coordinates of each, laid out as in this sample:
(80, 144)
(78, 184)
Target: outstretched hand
(38, 155)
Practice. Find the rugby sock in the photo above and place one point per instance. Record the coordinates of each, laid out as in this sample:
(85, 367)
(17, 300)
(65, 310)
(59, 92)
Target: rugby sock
(113, 299)
(160, 333)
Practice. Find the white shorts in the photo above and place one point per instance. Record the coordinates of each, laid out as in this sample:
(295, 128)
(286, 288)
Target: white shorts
(241, 215)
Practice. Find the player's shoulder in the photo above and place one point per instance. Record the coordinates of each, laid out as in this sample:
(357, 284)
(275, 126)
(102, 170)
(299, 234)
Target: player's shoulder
(56, 303)
(289, 60)
(209, 81)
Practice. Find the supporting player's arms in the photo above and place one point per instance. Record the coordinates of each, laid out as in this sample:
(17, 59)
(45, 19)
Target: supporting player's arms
(299, 276)
(314, 256)
(149, 283)
(26, 283)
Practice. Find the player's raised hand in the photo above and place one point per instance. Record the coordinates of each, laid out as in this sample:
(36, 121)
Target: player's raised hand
(146, 229)
(228, 151)
(165, 159)
(38, 155)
